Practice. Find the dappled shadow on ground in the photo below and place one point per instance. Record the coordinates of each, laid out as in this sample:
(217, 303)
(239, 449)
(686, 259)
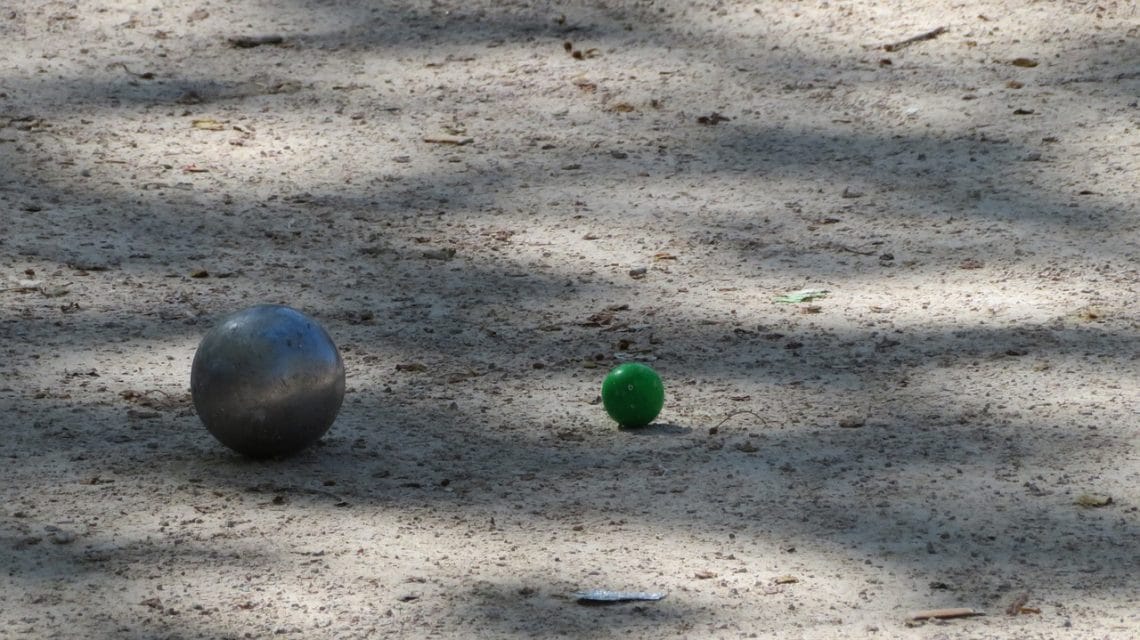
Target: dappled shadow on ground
(886, 477)
(53, 564)
(968, 169)
(786, 471)
(513, 607)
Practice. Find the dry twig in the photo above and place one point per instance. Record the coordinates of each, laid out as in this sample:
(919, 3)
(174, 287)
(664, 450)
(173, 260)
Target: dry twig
(902, 44)
(1018, 604)
(738, 413)
(944, 614)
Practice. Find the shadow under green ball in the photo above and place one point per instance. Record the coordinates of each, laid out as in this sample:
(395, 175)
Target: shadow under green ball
(632, 394)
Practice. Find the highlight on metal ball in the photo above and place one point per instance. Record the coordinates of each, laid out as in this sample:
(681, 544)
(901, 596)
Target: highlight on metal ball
(267, 381)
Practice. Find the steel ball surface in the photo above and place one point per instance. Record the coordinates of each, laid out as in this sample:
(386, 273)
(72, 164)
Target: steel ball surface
(267, 381)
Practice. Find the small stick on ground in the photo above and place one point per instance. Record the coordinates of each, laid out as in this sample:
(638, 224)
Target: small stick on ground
(742, 412)
(455, 140)
(856, 251)
(1017, 605)
(146, 75)
(902, 44)
(944, 614)
(249, 42)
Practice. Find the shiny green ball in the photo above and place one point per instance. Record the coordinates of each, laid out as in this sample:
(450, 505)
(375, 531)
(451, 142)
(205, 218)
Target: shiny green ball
(632, 394)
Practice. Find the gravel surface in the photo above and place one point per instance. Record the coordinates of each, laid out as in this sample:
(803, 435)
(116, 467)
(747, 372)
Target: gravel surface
(490, 204)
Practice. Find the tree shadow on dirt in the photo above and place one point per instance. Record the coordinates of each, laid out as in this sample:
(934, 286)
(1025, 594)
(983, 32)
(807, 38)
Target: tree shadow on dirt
(776, 479)
(55, 565)
(517, 606)
(408, 439)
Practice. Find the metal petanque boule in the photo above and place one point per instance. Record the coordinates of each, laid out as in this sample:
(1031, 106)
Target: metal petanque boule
(267, 381)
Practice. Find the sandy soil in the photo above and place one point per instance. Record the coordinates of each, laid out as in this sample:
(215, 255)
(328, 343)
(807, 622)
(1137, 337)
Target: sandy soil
(488, 205)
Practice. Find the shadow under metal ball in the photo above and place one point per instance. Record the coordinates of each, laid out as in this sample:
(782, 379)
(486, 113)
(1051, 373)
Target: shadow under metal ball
(267, 381)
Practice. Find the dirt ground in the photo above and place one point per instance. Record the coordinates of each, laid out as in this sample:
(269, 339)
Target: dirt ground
(488, 205)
